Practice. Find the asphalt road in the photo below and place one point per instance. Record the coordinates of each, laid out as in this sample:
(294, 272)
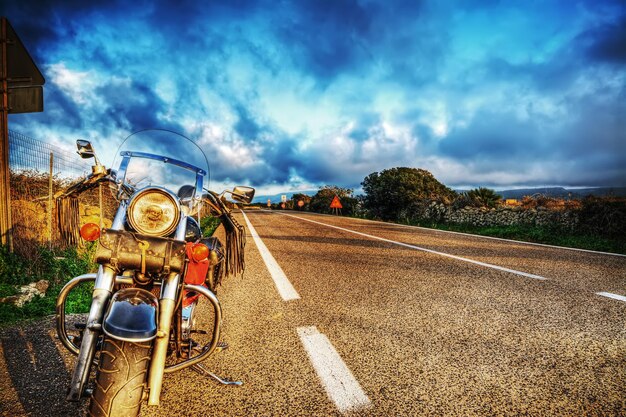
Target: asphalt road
(379, 319)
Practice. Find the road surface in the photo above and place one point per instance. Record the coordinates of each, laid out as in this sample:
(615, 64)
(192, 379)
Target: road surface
(339, 316)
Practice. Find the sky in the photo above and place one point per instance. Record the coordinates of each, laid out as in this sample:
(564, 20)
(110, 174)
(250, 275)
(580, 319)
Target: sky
(292, 95)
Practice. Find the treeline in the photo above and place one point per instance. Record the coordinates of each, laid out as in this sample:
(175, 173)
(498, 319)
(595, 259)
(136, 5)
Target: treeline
(412, 195)
(389, 195)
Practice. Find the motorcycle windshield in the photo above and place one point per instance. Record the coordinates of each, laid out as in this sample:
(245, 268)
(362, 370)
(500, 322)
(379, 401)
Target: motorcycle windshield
(162, 158)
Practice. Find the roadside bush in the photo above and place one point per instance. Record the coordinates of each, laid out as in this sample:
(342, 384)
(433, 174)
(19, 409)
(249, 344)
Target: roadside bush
(604, 216)
(484, 197)
(300, 197)
(462, 200)
(394, 193)
(320, 202)
(550, 203)
(208, 224)
(423, 211)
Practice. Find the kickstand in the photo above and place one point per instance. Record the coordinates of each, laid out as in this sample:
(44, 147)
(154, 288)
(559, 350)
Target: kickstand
(201, 369)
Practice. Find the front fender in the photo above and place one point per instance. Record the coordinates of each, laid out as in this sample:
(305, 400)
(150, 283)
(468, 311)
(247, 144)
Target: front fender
(132, 316)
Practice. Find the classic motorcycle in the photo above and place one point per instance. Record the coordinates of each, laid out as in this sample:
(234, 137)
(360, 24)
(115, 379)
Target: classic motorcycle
(154, 267)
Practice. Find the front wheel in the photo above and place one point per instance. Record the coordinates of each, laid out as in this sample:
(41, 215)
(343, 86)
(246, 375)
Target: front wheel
(121, 379)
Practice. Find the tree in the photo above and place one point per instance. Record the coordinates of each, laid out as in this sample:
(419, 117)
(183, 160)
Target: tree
(484, 197)
(301, 197)
(320, 202)
(395, 191)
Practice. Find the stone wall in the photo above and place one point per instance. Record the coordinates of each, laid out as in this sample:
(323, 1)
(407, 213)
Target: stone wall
(30, 220)
(501, 216)
(510, 216)
(91, 214)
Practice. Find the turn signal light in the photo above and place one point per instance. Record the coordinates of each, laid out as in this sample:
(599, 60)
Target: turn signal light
(199, 252)
(90, 232)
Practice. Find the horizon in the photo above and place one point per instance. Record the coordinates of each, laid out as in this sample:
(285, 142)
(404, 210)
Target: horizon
(504, 96)
(261, 198)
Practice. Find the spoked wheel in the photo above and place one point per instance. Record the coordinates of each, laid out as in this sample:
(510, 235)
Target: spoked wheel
(121, 379)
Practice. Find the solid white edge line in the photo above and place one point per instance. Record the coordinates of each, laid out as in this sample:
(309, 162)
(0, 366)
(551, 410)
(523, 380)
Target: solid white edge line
(500, 268)
(473, 235)
(611, 295)
(340, 385)
(284, 287)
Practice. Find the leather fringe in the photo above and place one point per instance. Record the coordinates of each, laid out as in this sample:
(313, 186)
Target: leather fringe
(235, 244)
(68, 219)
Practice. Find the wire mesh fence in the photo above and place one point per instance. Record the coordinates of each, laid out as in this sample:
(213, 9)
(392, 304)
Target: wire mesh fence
(28, 154)
(38, 171)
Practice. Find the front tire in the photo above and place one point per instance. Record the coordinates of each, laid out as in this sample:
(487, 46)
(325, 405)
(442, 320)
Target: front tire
(121, 379)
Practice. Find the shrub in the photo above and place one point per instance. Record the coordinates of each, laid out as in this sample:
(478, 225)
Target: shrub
(604, 216)
(320, 202)
(462, 200)
(208, 224)
(484, 197)
(300, 197)
(390, 194)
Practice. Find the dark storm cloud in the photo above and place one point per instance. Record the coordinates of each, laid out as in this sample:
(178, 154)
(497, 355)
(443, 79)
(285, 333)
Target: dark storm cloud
(494, 136)
(331, 38)
(276, 163)
(326, 36)
(132, 105)
(246, 126)
(63, 107)
(44, 23)
(607, 43)
(589, 149)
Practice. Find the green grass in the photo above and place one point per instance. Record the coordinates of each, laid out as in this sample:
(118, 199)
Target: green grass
(545, 235)
(209, 224)
(7, 290)
(55, 266)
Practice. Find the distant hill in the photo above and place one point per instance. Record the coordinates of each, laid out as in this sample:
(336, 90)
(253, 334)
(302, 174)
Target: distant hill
(560, 192)
(276, 197)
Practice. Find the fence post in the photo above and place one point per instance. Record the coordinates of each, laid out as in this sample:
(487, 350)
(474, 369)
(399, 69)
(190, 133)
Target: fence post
(101, 208)
(50, 200)
(6, 225)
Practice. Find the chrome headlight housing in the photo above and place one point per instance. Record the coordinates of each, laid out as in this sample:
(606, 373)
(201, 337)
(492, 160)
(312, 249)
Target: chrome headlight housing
(153, 211)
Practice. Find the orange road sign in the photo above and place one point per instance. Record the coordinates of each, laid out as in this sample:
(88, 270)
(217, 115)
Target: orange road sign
(336, 204)
(300, 203)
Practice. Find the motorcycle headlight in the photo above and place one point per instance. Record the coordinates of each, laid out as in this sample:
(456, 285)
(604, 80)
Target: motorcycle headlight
(153, 212)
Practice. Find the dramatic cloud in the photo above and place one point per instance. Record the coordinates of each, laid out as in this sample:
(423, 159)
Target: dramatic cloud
(296, 94)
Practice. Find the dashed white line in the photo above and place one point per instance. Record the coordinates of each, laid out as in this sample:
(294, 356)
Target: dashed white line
(611, 295)
(340, 385)
(499, 268)
(283, 285)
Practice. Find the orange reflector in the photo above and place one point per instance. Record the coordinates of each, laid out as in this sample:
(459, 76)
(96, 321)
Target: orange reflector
(199, 252)
(90, 232)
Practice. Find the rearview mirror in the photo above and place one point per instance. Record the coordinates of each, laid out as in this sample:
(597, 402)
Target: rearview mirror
(85, 150)
(243, 194)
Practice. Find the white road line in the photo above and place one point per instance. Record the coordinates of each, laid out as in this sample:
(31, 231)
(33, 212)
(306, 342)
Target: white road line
(499, 268)
(339, 383)
(611, 295)
(284, 287)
